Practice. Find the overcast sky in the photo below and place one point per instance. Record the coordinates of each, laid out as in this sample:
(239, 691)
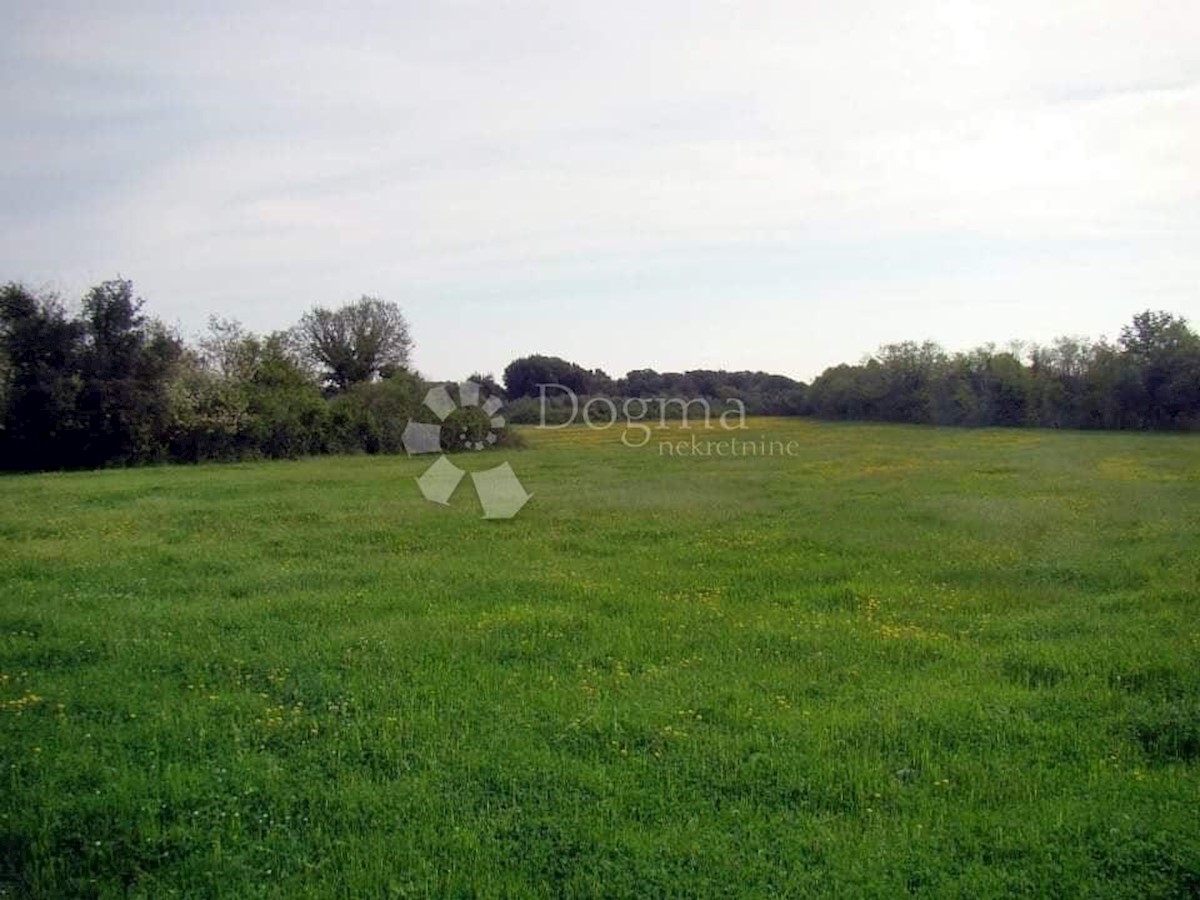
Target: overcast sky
(777, 186)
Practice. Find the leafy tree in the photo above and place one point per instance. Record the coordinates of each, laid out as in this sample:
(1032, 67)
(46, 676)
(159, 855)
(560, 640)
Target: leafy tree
(288, 416)
(209, 412)
(835, 393)
(125, 364)
(1058, 382)
(229, 350)
(1167, 355)
(1153, 335)
(909, 370)
(41, 348)
(1113, 390)
(523, 376)
(359, 342)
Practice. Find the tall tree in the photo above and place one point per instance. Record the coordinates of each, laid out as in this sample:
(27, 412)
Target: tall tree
(125, 366)
(41, 348)
(1166, 353)
(358, 342)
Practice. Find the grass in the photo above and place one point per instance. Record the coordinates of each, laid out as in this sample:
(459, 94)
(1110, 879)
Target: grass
(902, 660)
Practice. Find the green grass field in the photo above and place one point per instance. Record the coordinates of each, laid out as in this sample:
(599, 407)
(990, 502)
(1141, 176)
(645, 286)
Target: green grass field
(904, 660)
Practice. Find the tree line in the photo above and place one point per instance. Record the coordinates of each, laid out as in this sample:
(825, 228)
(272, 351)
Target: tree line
(103, 383)
(106, 384)
(759, 393)
(1148, 379)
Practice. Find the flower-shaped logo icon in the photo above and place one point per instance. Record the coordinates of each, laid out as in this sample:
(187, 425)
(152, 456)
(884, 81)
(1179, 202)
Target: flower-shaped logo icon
(500, 492)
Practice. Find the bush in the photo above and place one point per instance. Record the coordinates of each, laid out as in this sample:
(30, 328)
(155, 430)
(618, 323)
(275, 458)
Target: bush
(370, 417)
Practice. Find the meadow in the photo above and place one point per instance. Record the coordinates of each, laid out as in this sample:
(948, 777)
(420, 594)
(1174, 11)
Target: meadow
(902, 660)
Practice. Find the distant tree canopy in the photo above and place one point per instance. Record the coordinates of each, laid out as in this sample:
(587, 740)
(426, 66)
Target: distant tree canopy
(522, 376)
(358, 342)
(1149, 379)
(762, 394)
